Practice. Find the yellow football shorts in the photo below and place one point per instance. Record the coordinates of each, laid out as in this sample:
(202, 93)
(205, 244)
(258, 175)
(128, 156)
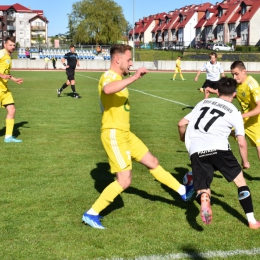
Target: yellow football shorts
(6, 98)
(122, 147)
(253, 134)
(177, 70)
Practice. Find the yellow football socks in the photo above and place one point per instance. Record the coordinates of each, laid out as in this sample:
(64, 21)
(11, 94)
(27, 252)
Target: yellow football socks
(9, 127)
(107, 196)
(165, 178)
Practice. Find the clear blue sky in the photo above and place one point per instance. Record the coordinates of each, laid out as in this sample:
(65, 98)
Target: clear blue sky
(56, 10)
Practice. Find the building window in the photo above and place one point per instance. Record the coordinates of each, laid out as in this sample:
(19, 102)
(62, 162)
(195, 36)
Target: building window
(21, 15)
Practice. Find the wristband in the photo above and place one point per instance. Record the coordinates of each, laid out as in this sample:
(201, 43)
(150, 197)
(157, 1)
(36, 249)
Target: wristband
(64, 64)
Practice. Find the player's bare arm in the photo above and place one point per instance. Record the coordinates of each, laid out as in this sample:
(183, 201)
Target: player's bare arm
(182, 128)
(117, 86)
(197, 76)
(16, 80)
(253, 112)
(243, 151)
(5, 76)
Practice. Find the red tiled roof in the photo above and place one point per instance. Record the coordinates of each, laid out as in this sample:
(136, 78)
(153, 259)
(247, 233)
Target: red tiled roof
(251, 12)
(203, 7)
(213, 18)
(4, 7)
(39, 16)
(226, 15)
(38, 11)
(143, 25)
(236, 16)
(158, 17)
(173, 18)
(201, 22)
(17, 7)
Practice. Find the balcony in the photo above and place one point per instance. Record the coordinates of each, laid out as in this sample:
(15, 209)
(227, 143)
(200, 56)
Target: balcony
(38, 28)
(10, 17)
(10, 28)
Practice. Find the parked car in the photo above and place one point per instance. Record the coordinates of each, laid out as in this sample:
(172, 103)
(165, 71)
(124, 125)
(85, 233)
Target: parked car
(221, 47)
(203, 45)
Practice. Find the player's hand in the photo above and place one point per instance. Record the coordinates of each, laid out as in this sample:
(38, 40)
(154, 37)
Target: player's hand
(196, 79)
(18, 81)
(141, 72)
(246, 165)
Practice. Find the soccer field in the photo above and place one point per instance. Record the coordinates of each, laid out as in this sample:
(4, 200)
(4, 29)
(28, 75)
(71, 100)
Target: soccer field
(60, 168)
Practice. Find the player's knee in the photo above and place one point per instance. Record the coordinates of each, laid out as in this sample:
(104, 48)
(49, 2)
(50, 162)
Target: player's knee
(124, 183)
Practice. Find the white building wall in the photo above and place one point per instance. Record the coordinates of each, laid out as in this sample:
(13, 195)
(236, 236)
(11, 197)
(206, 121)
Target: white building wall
(254, 31)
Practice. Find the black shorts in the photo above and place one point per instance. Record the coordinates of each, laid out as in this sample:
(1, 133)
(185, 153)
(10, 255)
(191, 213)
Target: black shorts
(211, 84)
(70, 73)
(205, 163)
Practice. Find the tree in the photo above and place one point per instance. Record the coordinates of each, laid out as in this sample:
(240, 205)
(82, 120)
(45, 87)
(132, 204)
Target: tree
(128, 28)
(99, 21)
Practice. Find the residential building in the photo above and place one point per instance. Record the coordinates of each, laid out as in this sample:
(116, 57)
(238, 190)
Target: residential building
(30, 27)
(230, 21)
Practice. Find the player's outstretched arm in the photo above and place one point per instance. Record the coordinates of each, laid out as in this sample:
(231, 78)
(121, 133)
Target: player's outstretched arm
(16, 80)
(117, 86)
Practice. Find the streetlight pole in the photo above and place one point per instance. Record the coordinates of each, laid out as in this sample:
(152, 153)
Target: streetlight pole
(133, 30)
(190, 35)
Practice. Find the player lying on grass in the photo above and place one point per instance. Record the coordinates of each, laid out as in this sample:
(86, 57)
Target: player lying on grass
(205, 131)
(121, 145)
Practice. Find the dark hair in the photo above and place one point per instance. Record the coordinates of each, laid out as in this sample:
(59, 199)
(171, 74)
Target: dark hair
(119, 48)
(10, 38)
(213, 54)
(226, 86)
(238, 64)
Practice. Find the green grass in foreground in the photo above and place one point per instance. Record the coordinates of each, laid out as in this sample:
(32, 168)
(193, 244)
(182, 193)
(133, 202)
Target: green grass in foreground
(50, 179)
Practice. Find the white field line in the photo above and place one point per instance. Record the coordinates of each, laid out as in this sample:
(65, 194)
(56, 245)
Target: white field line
(209, 254)
(142, 92)
(205, 255)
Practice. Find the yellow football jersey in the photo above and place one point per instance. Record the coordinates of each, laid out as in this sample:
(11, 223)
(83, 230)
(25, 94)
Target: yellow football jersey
(5, 66)
(115, 107)
(248, 94)
(178, 63)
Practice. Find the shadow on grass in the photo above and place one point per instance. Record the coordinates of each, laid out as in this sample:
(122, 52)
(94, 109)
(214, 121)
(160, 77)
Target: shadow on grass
(190, 107)
(16, 131)
(103, 177)
(192, 211)
(192, 253)
(250, 178)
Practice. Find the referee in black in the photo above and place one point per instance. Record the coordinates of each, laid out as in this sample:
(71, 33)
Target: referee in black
(72, 62)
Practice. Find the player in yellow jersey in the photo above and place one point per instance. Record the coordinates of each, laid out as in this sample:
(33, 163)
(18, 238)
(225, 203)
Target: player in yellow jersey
(248, 96)
(6, 97)
(178, 68)
(120, 144)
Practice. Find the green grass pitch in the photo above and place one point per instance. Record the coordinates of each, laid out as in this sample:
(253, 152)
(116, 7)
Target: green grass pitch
(60, 168)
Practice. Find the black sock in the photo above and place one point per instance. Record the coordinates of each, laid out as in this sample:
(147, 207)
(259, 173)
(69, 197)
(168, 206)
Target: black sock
(245, 199)
(73, 88)
(63, 86)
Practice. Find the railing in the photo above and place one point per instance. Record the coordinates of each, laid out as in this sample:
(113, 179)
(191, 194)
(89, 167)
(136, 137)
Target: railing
(10, 28)
(10, 18)
(38, 28)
